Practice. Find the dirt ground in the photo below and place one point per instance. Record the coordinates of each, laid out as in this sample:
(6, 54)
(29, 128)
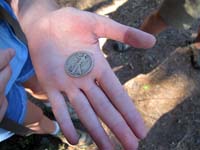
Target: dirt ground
(160, 80)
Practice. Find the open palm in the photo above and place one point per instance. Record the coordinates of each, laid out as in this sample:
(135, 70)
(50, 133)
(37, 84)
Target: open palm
(99, 94)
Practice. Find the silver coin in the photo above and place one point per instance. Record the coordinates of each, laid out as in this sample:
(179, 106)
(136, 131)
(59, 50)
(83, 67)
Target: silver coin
(79, 64)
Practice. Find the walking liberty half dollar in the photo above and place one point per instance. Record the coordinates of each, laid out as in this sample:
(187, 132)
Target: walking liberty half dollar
(79, 64)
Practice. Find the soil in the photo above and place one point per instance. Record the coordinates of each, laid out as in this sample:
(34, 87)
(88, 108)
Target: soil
(160, 80)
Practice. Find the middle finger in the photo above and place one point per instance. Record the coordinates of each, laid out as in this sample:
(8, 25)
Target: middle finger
(111, 117)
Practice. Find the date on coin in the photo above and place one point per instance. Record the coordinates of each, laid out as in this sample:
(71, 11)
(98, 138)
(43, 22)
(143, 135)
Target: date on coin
(79, 64)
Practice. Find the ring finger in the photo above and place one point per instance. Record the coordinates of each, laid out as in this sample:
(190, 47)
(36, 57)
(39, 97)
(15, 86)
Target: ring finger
(87, 115)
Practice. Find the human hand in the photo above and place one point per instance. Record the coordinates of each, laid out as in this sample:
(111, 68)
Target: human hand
(5, 73)
(99, 94)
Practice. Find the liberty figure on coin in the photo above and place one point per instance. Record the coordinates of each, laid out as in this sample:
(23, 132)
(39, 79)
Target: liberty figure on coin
(79, 64)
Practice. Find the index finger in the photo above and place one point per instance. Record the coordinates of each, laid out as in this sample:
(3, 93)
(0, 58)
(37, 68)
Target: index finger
(120, 99)
(113, 30)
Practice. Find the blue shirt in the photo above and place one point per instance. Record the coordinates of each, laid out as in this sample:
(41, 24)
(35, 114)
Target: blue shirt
(9, 40)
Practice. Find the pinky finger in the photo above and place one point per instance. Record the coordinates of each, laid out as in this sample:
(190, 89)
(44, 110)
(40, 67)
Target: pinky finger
(62, 116)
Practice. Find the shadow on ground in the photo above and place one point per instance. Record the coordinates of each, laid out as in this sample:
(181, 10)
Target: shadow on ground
(168, 99)
(177, 129)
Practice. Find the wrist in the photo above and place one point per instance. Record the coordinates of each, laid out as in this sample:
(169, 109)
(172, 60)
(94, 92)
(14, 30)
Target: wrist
(28, 12)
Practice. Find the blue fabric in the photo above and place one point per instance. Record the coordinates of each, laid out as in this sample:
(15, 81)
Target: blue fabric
(22, 70)
(8, 40)
(7, 7)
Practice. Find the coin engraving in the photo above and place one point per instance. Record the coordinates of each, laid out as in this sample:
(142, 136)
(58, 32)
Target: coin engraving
(79, 64)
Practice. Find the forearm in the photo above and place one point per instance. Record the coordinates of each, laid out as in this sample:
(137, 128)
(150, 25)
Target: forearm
(29, 11)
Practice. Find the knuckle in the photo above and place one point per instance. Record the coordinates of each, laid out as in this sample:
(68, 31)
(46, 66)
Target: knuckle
(101, 72)
(118, 125)
(88, 88)
(73, 94)
(104, 105)
(7, 72)
(120, 93)
(7, 56)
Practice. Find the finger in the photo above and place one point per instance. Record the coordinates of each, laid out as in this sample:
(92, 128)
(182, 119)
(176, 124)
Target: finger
(113, 30)
(5, 57)
(61, 113)
(3, 106)
(120, 99)
(111, 117)
(89, 119)
(4, 77)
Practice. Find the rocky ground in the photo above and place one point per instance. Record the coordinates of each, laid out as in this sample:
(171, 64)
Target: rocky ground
(160, 80)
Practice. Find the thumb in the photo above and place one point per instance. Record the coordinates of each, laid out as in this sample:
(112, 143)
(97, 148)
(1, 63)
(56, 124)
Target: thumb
(113, 30)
